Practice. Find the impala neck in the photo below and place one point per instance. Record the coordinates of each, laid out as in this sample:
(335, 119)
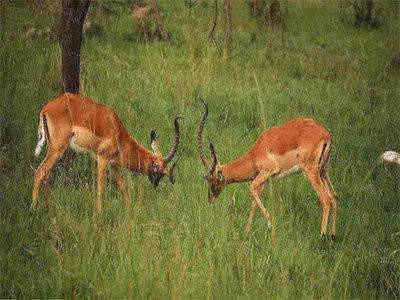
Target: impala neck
(135, 157)
(243, 169)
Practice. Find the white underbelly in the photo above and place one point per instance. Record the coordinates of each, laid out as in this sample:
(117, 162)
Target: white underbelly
(74, 146)
(83, 140)
(284, 173)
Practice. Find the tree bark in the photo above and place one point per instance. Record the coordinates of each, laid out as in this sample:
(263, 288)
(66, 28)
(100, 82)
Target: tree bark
(73, 17)
(368, 18)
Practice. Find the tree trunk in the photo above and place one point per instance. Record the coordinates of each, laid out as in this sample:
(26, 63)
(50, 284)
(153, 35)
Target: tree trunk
(73, 17)
(368, 18)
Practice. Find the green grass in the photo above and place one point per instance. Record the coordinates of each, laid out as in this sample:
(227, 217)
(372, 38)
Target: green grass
(173, 242)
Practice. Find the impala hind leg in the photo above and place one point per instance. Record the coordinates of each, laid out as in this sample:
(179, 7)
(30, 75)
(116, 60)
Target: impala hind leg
(326, 151)
(43, 174)
(333, 203)
(313, 175)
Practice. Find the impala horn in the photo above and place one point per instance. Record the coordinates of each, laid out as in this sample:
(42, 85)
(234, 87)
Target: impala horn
(200, 135)
(176, 143)
(171, 172)
(214, 157)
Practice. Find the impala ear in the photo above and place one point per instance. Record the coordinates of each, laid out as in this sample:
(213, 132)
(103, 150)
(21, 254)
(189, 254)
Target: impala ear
(220, 177)
(154, 141)
(153, 136)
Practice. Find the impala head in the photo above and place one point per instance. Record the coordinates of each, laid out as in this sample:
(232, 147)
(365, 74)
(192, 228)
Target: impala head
(214, 177)
(158, 167)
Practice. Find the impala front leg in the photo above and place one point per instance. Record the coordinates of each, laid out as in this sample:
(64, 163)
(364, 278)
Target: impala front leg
(250, 219)
(121, 185)
(256, 189)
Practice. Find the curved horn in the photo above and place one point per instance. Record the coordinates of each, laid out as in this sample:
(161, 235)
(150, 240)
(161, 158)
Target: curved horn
(200, 135)
(214, 157)
(171, 172)
(176, 143)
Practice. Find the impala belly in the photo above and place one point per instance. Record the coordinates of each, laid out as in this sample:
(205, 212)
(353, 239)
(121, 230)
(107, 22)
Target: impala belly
(284, 173)
(83, 140)
(288, 164)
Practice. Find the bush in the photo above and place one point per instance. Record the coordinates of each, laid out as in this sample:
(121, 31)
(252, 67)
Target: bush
(360, 12)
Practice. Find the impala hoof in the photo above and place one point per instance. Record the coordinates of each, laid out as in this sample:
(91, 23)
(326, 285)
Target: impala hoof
(333, 237)
(324, 237)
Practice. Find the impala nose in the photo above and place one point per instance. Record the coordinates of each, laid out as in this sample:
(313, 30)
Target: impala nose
(211, 199)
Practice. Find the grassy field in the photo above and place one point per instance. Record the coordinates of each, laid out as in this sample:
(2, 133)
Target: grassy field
(173, 242)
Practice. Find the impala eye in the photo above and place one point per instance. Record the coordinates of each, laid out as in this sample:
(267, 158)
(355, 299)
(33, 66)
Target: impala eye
(220, 177)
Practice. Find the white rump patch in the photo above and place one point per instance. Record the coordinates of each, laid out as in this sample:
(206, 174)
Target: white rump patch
(42, 140)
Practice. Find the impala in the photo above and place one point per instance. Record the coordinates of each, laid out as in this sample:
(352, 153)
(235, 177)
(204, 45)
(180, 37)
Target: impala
(297, 145)
(87, 126)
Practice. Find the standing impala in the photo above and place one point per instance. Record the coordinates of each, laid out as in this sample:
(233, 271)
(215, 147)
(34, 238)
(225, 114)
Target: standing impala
(297, 145)
(87, 126)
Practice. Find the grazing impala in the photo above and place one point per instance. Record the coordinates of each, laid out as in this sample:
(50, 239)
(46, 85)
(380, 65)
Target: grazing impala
(297, 145)
(87, 126)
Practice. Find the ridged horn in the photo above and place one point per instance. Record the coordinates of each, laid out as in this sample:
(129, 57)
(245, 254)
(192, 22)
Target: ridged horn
(213, 156)
(176, 142)
(200, 135)
(171, 171)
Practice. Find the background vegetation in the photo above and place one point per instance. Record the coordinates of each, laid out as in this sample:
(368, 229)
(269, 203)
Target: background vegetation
(172, 242)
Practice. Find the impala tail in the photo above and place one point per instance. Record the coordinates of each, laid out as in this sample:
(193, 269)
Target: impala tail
(43, 134)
